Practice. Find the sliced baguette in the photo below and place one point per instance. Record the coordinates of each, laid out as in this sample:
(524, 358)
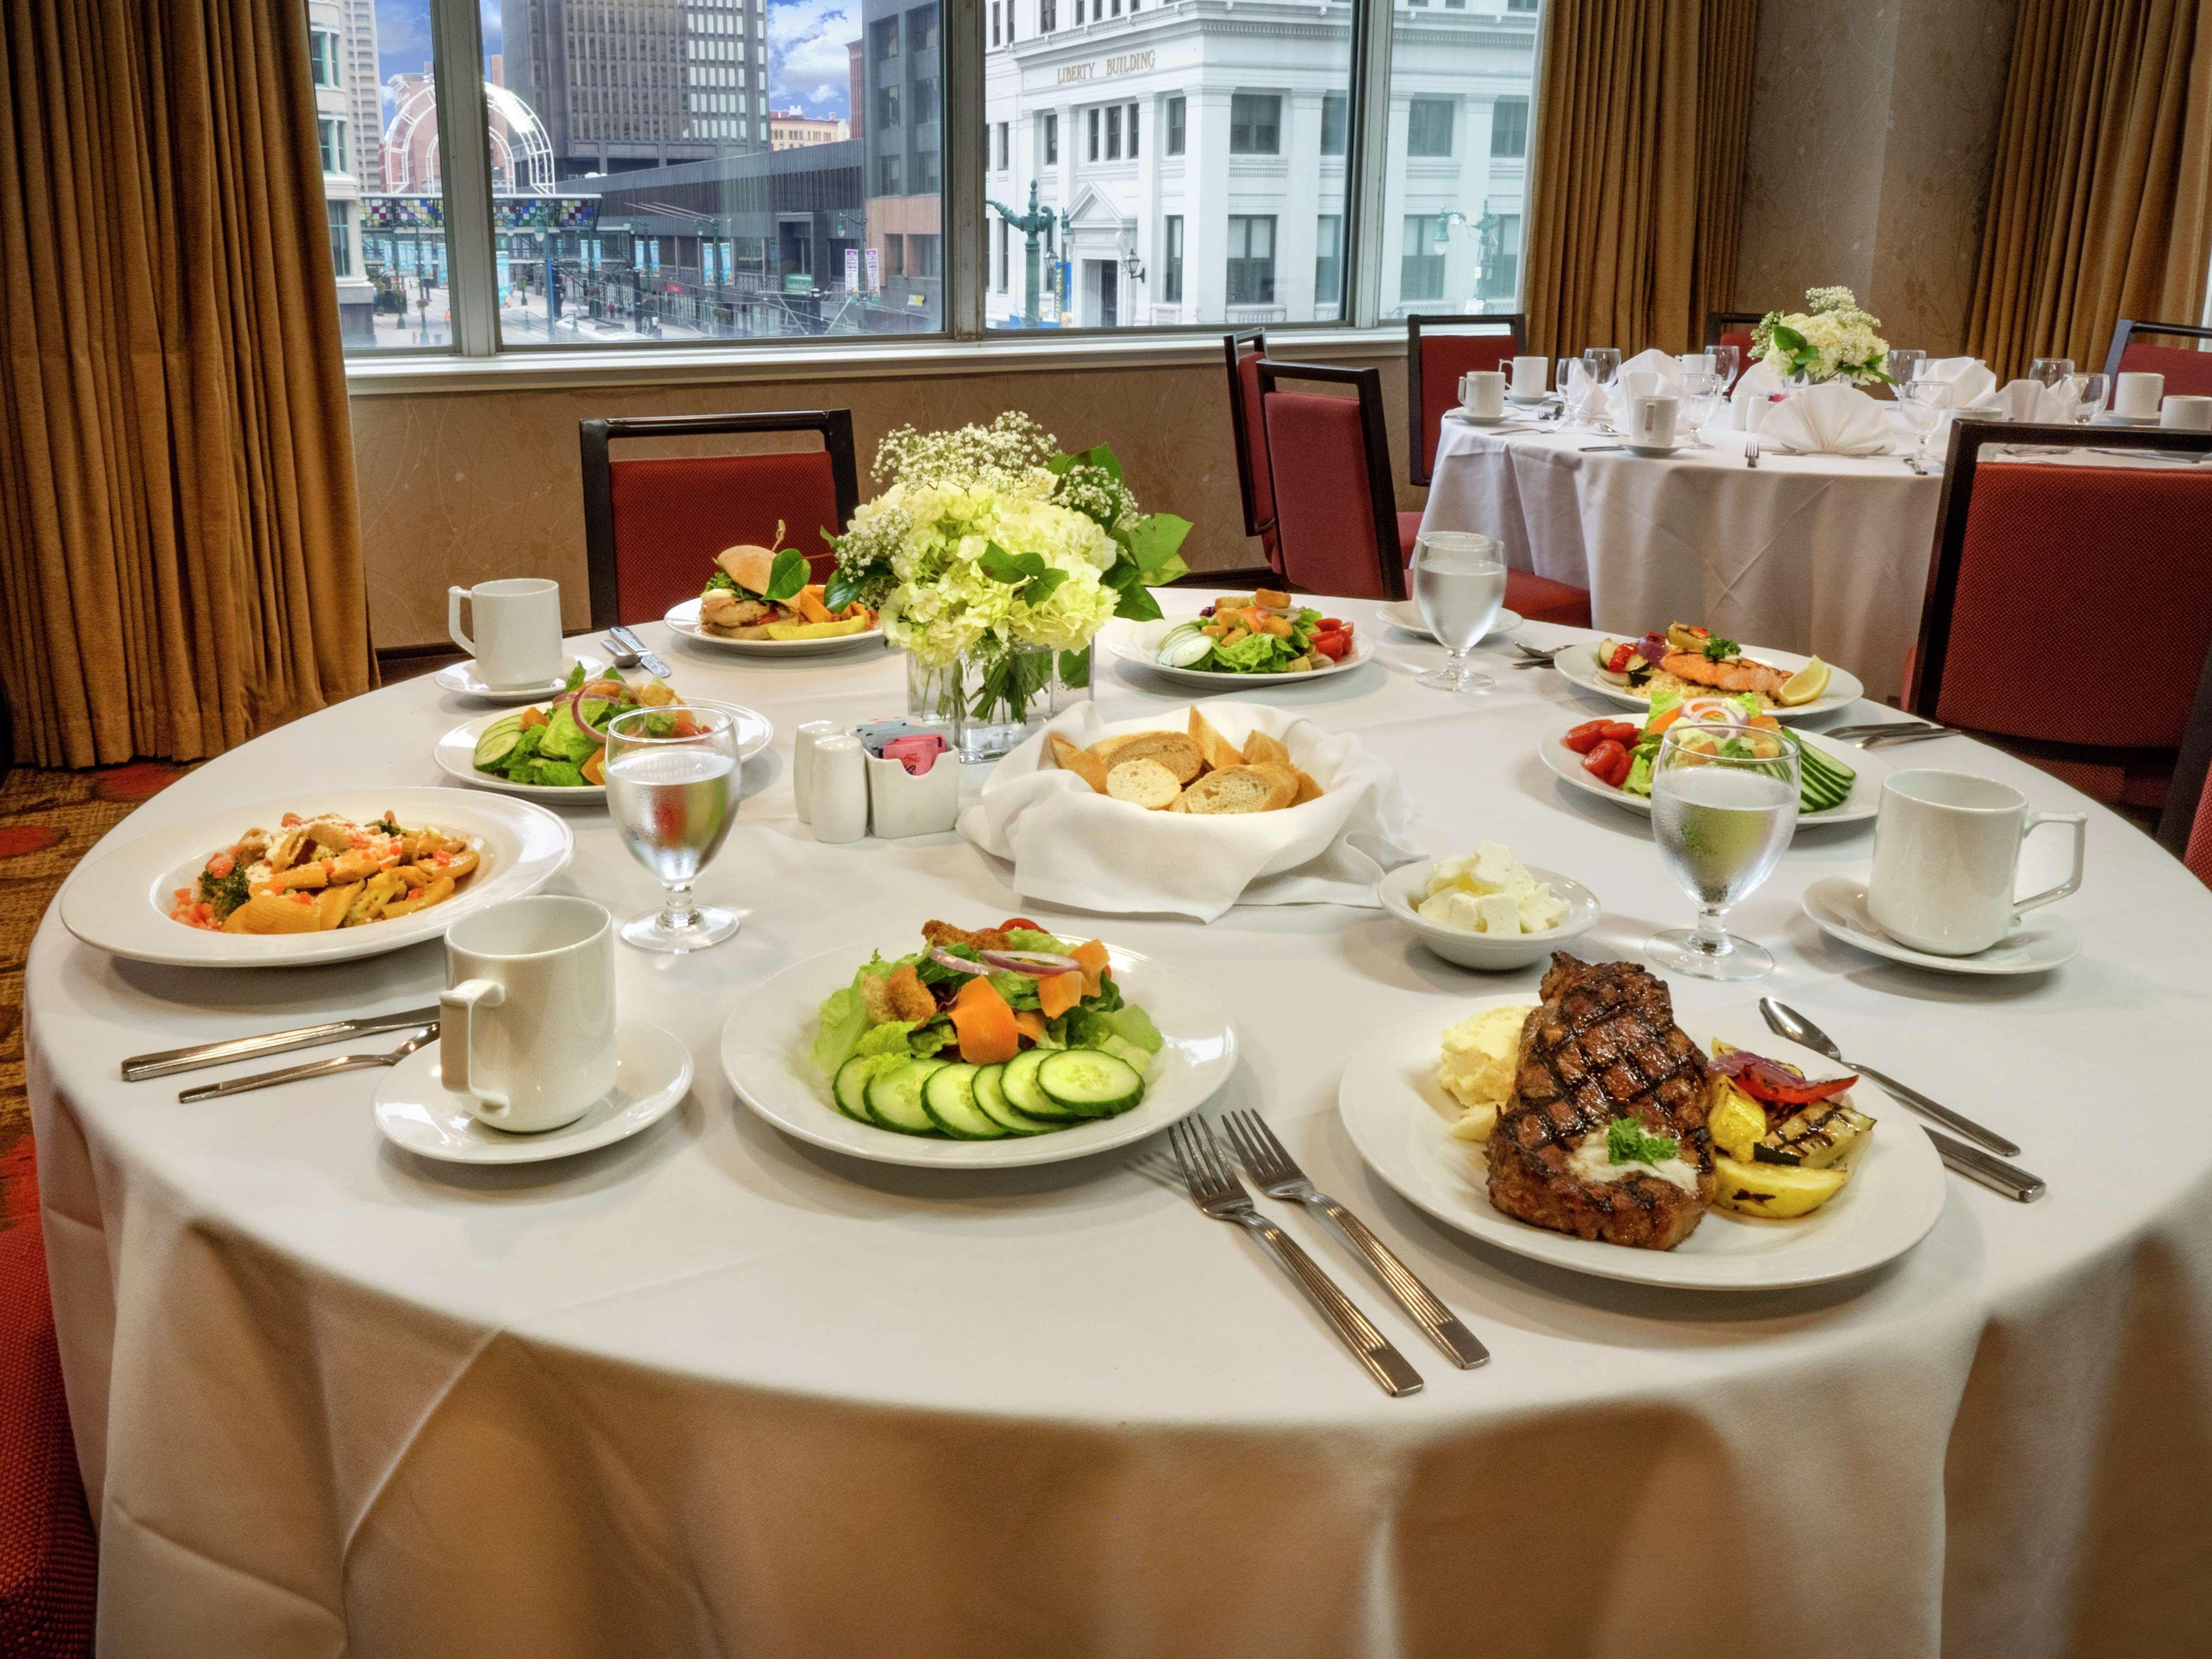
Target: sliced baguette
(1216, 750)
(1170, 749)
(1081, 762)
(1308, 789)
(1260, 748)
(1241, 789)
(1143, 783)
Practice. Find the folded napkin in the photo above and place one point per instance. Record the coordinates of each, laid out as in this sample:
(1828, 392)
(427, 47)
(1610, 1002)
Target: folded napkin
(1072, 846)
(2031, 400)
(1755, 386)
(1650, 372)
(1831, 418)
(1969, 378)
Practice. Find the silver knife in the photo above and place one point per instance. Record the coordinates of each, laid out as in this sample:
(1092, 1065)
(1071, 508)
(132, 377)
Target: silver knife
(139, 1067)
(1909, 734)
(651, 664)
(1976, 1164)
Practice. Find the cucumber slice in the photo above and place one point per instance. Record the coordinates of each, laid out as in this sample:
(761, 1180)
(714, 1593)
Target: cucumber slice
(1089, 1081)
(949, 1097)
(990, 1101)
(494, 742)
(1018, 1082)
(851, 1088)
(895, 1098)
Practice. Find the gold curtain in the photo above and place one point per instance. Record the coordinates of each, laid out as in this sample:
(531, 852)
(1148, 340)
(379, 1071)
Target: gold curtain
(1637, 190)
(178, 543)
(2100, 202)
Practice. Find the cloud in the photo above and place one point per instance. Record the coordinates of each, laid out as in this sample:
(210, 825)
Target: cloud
(807, 40)
(824, 94)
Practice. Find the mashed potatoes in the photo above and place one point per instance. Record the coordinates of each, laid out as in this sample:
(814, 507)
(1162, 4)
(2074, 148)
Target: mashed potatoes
(1490, 891)
(1476, 1067)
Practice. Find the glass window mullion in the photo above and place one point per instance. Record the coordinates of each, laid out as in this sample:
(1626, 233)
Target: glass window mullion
(1366, 169)
(464, 175)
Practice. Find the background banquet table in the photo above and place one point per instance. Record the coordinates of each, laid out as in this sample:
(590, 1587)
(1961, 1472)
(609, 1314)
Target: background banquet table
(714, 1391)
(1824, 554)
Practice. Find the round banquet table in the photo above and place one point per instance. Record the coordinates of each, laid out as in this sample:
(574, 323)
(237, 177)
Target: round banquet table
(714, 1391)
(1825, 554)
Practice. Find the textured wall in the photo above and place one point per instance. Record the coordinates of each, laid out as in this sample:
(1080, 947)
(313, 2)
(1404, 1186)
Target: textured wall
(1872, 127)
(461, 487)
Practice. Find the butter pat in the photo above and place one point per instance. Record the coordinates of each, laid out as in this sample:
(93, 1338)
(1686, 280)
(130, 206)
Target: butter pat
(1481, 1054)
(1490, 891)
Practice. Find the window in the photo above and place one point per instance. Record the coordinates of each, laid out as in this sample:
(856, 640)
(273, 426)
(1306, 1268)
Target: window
(1114, 133)
(1251, 259)
(1171, 264)
(1328, 265)
(1051, 139)
(323, 57)
(1520, 5)
(1501, 262)
(889, 179)
(925, 101)
(887, 106)
(924, 256)
(1094, 135)
(925, 172)
(1421, 266)
(921, 30)
(1176, 107)
(331, 133)
(1004, 162)
(883, 41)
(341, 215)
(1429, 126)
(1509, 127)
(1256, 124)
(1009, 23)
(1133, 133)
(1335, 119)
(1047, 19)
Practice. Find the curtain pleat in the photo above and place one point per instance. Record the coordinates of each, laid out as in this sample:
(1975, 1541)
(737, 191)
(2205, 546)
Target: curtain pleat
(1636, 192)
(178, 542)
(2101, 201)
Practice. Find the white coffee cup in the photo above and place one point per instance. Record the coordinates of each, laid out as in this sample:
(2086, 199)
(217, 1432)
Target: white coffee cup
(1528, 374)
(2186, 412)
(1482, 393)
(1652, 419)
(526, 1024)
(516, 629)
(1946, 853)
(2135, 394)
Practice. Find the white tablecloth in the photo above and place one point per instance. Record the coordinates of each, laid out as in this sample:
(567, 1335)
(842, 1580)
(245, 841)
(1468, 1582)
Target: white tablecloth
(711, 1391)
(1805, 553)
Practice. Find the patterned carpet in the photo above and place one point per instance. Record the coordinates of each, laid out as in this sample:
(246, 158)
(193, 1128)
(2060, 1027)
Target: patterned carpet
(47, 820)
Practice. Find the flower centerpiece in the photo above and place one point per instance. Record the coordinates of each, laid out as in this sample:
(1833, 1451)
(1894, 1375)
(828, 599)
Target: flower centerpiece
(994, 559)
(1832, 339)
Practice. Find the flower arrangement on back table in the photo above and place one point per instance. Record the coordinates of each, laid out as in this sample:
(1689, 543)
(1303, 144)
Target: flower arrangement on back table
(1832, 339)
(994, 559)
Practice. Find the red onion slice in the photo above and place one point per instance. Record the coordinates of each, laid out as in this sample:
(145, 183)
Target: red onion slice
(1037, 965)
(945, 959)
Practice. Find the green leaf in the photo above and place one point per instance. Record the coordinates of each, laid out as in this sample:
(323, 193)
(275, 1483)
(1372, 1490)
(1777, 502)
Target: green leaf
(1074, 672)
(1039, 588)
(1152, 541)
(1002, 566)
(1135, 601)
(787, 576)
(1102, 457)
(839, 591)
(1061, 464)
(1789, 339)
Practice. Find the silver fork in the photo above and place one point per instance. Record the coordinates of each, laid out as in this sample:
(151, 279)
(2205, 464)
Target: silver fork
(335, 1064)
(1751, 450)
(1277, 1174)
(1216, 1190)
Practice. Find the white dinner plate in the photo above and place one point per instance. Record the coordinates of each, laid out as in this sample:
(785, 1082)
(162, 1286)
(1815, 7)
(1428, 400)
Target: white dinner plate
(461, 677)
(2038, 942)
(456, 756)
(1138, 643)
(1863, 803)
(119, 901)
(765, 1052)
(1579, 663)
(415, 1110)
(1407, 615)
(1401, 1119)
(684, 620)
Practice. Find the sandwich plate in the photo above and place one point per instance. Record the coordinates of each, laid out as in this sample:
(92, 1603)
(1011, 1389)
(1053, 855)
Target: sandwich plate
(1861, 804)
(1579, 664)
(765, 1054)
(1401, 1119)
(1138, 643)
(683, 619)
(456, 755)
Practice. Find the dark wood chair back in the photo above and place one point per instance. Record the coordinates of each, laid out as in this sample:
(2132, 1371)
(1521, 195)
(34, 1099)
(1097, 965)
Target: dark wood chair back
(1243, 351)
(2185, 828)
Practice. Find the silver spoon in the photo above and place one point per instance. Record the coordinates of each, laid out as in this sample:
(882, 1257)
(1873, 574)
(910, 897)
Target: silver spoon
(1786, 1022)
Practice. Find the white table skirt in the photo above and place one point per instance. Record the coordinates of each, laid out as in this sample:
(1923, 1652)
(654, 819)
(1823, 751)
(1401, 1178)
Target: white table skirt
(1805, 553)
(715, 1392)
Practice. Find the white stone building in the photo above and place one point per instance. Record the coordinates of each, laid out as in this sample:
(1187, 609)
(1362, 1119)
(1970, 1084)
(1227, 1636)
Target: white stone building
(1197, 149)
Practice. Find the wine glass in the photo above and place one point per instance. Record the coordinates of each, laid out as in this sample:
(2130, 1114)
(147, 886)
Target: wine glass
(1603, 363)
(1727, 360)
(1575, 387)
(2090, 392)
(1901, 367)
(1701, 399)
(672, 788)
(2049, 371)
(1724, 805)
(1459, 583)
(1926, 397)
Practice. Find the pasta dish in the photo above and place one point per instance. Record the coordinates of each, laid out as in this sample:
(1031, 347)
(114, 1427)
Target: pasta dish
(311, 875)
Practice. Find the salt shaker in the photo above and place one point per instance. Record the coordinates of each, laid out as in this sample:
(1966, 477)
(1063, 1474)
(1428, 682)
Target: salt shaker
(838, 788)
(802, 763)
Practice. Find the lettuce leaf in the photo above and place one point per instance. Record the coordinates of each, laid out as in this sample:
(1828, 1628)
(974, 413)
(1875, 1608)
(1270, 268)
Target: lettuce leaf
(1019, 990)
(1254, 653)
(556, 774)
(1093, 1028)
(889, 1038)
(838, 1028)
(1021, 938)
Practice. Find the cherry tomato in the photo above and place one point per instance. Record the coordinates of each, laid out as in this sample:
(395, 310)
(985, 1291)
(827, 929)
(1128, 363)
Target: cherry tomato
(1586, 736)
(1608, 763)
(1022, 922)
(1332, 625)
(1622, 733)
(1333, 646)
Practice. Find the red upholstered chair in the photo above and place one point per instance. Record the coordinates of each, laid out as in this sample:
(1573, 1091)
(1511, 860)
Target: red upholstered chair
(1256, 485)
(1733, 328)
(2031, 558)
(1439, 350)
(2187, 369)
(1337, 527)
(49, 1556)
(2185, 829)
(651, 527)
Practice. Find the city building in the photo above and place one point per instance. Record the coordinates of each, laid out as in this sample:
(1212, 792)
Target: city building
(898, 118)
(363, 82)
(341, 140)
(636, 84)
(1193, 153)
(794, 128)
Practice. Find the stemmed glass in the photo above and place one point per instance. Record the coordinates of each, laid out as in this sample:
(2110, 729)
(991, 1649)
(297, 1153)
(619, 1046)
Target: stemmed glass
(1701, 398)
(1574, 392)
(2049, 371)
(672, 789)
(1727, 359)
(1724, 805)
(2089, 398)
(1925, 400)
(1901, 367)
(1604, 365)
(1459, 583)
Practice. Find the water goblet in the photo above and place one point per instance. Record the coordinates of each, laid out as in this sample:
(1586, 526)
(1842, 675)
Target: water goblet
(1723, 807)
(673, 787)
(1603, 363)
(1901, 367)
(1727, 360)
(2049, 371)
(1459, 583)
(1575, 388)
(2089, 395)
(1926, 397)
(1701, 398)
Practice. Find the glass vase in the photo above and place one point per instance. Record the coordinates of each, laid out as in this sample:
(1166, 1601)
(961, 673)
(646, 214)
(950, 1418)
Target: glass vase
(933, 697)
(1007, 692)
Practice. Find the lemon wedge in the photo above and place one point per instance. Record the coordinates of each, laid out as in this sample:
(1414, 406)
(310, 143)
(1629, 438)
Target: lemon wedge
(1807, 683)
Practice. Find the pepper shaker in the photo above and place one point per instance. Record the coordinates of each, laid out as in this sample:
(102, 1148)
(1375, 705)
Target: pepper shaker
(838, 788)
(802, 763)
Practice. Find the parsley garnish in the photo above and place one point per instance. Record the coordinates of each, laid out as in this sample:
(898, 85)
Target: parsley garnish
(1626, 1142)
(1720, 650)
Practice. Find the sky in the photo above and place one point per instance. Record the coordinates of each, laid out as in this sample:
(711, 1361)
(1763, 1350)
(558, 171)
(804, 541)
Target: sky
(807, 41)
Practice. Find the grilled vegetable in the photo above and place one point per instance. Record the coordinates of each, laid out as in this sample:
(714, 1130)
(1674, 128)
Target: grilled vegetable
(1781, 1192)
(1736, 1122)
(1816, 1138)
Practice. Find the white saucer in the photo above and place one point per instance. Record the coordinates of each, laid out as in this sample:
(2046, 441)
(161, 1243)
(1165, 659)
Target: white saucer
(1655, 452)
(461, 677)
(1407, 615)
(2039, 941)
(2112, 418)
(1530, 403)
(417, 1111)
(1468, 417)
